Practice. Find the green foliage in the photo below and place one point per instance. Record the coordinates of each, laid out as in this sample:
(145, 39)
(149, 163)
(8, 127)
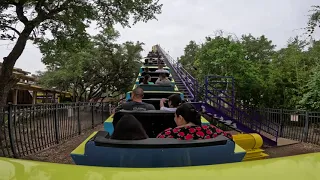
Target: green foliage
(187, 60)
(314, 20)
(69, 17)
(264, 77)
(311, 96)
(90, 66)
(65, 20)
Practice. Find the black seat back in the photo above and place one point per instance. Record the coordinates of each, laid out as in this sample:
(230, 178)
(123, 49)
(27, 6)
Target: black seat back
(153, 79)
(157, 95)
(153, 121)
(154, 87)
(154, 74)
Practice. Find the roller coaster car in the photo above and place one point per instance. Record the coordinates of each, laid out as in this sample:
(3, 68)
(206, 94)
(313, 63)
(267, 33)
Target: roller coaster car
(152, 68)
(153, 61)
(156, 94)
(156, 102)
(154, 74)
(292, 167)
(154, 87)
(153, 79)
(99, 150)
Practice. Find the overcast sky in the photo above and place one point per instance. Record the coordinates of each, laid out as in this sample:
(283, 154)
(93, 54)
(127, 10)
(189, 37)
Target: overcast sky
(185, 20)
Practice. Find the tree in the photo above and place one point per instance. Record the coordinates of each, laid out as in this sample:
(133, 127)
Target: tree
(310, 99)
(225, 56)
(314, 20)
(187, 60)
(92, 67)
(63, 19)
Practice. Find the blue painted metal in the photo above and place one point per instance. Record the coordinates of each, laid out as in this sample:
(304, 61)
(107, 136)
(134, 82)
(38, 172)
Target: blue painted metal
(157, 157)
(108, 126)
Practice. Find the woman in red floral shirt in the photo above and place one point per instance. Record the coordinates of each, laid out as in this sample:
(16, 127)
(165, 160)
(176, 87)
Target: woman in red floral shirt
(189, 126)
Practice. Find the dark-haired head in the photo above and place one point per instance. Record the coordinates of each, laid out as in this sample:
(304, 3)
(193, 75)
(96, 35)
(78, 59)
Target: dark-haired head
(187, 113)
(174, 100)
(162, 75)
(129, 128)
(146, 79)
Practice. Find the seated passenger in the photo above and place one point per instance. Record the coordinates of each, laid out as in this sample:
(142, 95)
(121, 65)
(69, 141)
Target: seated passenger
(173, 101)
(129, 128)
(160, 69)
(163, 80)
(146, 69)
(136, 103)
(147, 79)
(189, 126)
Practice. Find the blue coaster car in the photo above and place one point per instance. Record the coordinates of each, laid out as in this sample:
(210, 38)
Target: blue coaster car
(99, 150)
(153, 152)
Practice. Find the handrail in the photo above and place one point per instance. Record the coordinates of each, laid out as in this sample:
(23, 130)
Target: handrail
(205, 94)
(181, 71)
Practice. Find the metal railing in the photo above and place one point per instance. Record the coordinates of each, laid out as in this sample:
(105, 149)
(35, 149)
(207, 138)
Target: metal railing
(26, 129)
(297, 125)
(187, 79)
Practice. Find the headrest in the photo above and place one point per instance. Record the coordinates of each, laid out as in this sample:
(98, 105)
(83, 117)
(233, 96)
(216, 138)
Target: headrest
(140, 114)
(153, 121)
(159, 142)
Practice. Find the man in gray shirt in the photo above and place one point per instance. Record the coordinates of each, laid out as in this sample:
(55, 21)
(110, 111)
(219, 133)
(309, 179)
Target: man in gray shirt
(163, 80)
(136, 104)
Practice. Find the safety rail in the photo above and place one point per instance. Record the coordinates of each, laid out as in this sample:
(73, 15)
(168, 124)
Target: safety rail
(187, 79)
(201, 93)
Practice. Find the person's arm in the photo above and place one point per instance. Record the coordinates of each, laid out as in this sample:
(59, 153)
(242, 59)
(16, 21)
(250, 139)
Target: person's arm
(118, 108)
(162, 102)
(158, 81)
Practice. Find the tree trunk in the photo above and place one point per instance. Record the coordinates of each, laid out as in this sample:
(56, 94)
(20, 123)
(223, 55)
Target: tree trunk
(7, 80)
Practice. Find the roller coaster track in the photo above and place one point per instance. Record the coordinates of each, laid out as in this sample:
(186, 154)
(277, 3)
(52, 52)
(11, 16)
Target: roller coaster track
(233, 116)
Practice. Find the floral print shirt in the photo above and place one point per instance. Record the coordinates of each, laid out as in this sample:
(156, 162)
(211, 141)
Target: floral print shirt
(193, 132)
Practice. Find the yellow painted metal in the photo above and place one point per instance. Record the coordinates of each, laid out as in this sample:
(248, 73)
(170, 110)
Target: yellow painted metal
(110, 118)
(238, 149)
(248, 141)
(252, 144)
(80, 149)
(203, 120)
(294, 168)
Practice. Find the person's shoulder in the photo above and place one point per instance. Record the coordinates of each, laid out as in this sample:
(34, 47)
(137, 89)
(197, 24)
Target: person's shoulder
(150, 106)
(168, 109)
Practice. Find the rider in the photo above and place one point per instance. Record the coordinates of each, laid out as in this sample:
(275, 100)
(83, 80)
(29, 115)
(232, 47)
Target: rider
(163, 80)
(173, 101)
(136, 102)
(189, 126)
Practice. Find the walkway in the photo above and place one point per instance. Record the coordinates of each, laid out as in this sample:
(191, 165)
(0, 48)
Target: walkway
(61, 152)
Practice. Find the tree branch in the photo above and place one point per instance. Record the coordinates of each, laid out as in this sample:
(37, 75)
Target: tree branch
(62, 7)
(12, 28)
(20, 14)
(38, 8)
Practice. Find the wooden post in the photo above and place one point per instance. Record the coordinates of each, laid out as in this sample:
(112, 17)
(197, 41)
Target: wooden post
(54, 98)
(46, 98)
(15, 96)
(34, 97)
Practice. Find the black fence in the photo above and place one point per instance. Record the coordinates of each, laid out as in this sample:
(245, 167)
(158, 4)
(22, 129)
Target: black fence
(297, 125)
(26, 129)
